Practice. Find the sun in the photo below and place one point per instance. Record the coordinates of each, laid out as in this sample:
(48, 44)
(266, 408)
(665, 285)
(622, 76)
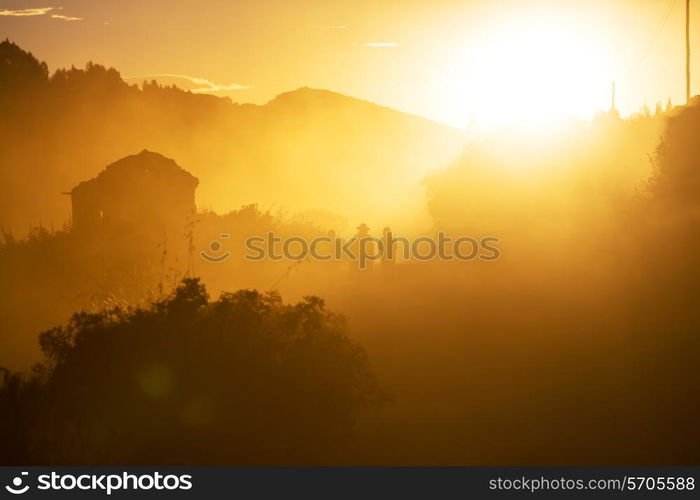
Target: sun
(532, 73)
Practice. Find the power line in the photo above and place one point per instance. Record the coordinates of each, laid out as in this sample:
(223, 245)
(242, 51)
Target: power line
(657, 32)
(285, 274)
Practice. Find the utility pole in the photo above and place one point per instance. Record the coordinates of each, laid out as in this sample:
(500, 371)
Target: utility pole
(687, 51)
(612, 98)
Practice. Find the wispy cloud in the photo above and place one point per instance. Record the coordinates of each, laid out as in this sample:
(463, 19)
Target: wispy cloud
(66, 18)
(196, 85)
(37, 11)
(381, 44)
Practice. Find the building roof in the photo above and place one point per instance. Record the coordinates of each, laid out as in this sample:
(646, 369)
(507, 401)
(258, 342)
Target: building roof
(145, 164)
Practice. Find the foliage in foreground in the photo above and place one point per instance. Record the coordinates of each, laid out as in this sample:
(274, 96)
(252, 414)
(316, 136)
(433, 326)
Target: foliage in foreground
(244, 379)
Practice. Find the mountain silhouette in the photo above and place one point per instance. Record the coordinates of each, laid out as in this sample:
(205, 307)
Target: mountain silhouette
(304, 150)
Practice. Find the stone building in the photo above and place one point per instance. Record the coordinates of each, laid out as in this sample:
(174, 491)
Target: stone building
(145, 191)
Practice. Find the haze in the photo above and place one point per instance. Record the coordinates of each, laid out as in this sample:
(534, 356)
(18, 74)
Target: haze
(130, 318)
(475, 65)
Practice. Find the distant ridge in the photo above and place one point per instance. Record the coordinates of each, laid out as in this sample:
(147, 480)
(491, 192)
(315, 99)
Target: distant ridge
(309, 96)
(305, 150)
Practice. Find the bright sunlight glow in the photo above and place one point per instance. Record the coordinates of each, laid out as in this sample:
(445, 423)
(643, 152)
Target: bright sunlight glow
(530, 75)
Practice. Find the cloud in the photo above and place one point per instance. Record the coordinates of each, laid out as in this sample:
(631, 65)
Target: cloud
(37, 11)
(66, 18)
(196, 85)
(381, 44)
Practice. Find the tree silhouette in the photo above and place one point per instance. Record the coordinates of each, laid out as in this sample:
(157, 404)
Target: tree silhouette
(244, 379)
(676, 158)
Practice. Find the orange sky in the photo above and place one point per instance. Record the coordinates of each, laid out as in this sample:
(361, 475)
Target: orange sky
(458, 62)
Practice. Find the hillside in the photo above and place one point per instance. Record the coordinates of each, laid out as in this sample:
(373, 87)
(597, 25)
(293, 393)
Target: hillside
(305, 150)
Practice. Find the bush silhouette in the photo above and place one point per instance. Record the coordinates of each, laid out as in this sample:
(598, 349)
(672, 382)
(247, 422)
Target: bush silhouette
(244, 379)
(676, 159)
